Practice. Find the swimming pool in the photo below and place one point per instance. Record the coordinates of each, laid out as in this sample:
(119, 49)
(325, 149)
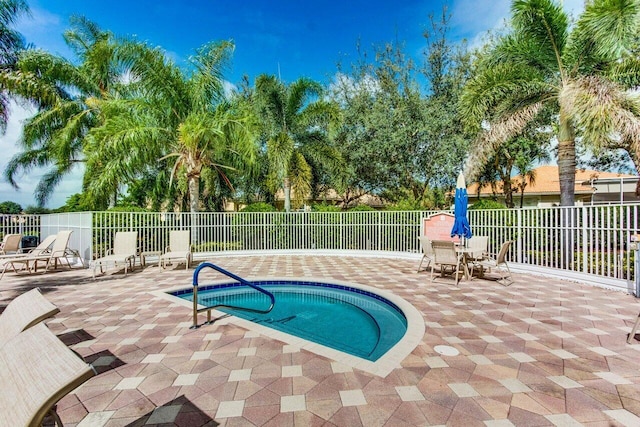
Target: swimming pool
(383, 366)
(351, 320)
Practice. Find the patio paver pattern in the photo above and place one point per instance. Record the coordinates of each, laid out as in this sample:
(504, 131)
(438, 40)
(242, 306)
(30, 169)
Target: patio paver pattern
(542, 352)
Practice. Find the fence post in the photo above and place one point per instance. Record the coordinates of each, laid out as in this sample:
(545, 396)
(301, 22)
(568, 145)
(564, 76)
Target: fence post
(585, 240)
(519, 244)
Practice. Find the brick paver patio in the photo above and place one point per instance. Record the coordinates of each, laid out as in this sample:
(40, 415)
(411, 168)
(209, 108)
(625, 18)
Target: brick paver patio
(542, 352)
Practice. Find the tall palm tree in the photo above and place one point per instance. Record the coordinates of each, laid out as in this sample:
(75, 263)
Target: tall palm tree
(63, 93)
(173, 116)
(581, 72)
(11, 43)
(296, 126)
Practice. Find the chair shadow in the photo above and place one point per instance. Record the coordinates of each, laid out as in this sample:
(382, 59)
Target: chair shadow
(75, 337)
(180, 411)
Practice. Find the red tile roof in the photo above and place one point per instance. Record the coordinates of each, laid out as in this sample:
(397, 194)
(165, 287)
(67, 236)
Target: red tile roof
(548, 182)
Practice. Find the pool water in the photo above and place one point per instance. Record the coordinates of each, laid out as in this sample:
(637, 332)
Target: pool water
(351, 320)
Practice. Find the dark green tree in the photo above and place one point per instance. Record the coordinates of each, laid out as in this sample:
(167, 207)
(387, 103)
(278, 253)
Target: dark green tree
(9, 207)
(403, 140)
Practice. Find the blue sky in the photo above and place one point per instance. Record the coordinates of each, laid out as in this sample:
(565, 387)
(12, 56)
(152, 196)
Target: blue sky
(292, 38)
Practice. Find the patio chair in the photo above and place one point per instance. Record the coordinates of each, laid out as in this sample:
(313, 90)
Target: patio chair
(427, 252)
(10, 244)
(477, 250)
(179, 248)
(125, 248)
(24, 311)
(58, 252)
(36, 371)
(499, 263)
(446, 256)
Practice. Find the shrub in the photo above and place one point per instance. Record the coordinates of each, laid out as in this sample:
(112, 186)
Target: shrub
(324, 207)
(258, 207)
(487, 204)
(361, 208)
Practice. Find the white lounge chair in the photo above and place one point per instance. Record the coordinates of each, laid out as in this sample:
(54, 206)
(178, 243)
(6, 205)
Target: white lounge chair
(59, 251)
(179, 248)
(125, 248)
(23, 312)
(36, 371)
(10, 244)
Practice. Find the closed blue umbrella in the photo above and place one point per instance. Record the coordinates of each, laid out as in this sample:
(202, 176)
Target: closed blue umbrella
(461, 227)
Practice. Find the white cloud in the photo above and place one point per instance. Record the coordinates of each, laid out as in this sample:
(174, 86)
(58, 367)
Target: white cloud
(28, 181)
(44, 30)
(474, 19)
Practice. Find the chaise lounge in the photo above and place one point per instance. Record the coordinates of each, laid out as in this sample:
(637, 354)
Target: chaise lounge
(23, 312)
(125, 248)
(36, 371)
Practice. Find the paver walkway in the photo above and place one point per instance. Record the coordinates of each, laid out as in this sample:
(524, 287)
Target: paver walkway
(542, 352)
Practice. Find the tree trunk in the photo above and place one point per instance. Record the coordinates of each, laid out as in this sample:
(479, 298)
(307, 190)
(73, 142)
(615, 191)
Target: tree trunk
(566, 161)
(194, 192)
(287, 194)
(508, 191)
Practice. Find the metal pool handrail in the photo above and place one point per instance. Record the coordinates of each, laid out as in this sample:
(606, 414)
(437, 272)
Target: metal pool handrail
(196, 310)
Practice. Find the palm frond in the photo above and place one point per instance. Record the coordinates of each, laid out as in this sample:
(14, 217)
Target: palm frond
(501, 84)
(606, 114)
(542, 21)
(604, 34)
(497, 133)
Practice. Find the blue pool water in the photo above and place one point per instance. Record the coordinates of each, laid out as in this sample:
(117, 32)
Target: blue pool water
(351, 320)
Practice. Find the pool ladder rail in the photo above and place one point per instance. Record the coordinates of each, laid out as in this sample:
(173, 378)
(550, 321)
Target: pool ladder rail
(197, 310)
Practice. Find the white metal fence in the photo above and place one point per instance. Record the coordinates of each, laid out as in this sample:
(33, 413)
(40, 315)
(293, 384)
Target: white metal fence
(584, 239)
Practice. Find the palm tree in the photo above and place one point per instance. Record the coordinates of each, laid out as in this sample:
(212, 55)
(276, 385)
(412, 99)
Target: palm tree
(11, 43)
(296, 129)
(581, 72)
(64, 93)
(173, 116)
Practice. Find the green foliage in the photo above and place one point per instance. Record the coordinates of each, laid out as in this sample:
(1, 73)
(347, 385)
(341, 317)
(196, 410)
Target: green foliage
(295, 126)
(217, 246)
(325, 207)
(580, 73)
(395, 138)
(9, 207)
(258, 207)
(79, 203)
(406, 205)
(63, 92)
(11, 43)
(125, 209)
(487, 204)
(36, 210)
(361, 208)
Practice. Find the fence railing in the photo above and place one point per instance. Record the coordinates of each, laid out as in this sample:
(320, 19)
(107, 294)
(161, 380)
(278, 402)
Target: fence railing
(584, 239)
(27, 225)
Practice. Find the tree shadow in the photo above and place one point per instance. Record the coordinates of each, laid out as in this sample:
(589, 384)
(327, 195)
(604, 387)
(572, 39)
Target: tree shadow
(180, 411)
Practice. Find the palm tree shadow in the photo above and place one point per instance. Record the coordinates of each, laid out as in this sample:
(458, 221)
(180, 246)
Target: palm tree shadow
(179, 411)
